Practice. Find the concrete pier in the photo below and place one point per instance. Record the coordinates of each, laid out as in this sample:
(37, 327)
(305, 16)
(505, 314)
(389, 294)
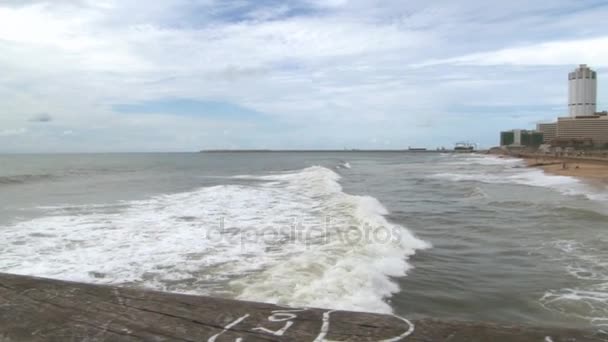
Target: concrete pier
(37, 309)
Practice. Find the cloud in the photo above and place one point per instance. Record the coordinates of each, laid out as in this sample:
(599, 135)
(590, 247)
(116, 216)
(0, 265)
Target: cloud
(42, 117)
(235, 73)
(315, 73)
(592, 51)
(12, 132)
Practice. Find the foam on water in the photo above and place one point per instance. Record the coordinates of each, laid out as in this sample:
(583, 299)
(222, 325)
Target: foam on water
(292, 238)
(589, 299)
(530, 177)
(345, 165)
(357, 240)
(512, 171)
(478, 159)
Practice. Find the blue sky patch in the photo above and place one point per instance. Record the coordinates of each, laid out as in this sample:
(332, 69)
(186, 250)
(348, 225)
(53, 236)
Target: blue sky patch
(189, 107)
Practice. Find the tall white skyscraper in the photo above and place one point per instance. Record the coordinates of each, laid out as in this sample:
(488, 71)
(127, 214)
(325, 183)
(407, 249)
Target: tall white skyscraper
(582, 91)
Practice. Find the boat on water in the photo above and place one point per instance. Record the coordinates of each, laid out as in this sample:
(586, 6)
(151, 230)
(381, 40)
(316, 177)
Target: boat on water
(464, 147)
(416, 149)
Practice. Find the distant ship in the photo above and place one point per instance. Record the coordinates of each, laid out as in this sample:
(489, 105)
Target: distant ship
(464, 147)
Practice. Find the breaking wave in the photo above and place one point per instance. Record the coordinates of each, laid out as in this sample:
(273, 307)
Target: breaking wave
(293, 238)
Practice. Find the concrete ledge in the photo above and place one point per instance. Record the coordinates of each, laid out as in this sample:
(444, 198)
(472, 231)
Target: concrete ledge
(37, 309)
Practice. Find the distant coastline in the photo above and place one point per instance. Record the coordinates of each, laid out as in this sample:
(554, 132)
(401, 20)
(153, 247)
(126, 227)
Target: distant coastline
(334, 151)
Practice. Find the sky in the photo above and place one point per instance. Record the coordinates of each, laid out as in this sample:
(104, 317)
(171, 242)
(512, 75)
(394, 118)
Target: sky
(186, 75)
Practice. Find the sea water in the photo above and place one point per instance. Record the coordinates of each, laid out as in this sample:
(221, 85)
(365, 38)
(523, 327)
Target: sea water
(447, 236)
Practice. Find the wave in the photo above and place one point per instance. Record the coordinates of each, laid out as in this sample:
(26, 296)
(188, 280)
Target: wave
(348, 271)
(476, 193)
(588, 300)
(58, 175)
(22, 179)
(487, 160)
(529, 177)
(524, 177)
(296, 238)
(343, 165)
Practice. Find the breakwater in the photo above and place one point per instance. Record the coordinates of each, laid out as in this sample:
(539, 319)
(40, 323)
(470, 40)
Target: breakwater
(38, 309)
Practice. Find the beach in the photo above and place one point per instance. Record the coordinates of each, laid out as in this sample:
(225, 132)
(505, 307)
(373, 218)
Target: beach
(588, 169)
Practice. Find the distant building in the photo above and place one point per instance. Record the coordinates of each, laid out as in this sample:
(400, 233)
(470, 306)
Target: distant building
(521, 138)
(582, 91)
(549, 131)
(584, 127)
(593, 128)
(576, 143)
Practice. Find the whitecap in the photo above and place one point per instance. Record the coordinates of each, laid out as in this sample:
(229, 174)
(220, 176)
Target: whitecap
(237, 241)
(529, 177)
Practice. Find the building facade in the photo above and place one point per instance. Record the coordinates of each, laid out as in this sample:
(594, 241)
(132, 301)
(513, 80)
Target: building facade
(593, 128)
(582, 91)
(521, 138)
(549, 131)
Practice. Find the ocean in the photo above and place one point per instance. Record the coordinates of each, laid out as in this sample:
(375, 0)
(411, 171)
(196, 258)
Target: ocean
(446, 236)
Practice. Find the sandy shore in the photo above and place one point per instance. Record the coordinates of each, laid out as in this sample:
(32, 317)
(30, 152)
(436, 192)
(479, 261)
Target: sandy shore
(587, 169)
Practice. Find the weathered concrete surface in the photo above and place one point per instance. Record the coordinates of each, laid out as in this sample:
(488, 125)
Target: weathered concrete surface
(35, 309)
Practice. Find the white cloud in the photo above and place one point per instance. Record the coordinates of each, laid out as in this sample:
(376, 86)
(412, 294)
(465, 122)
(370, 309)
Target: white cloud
(12, 132)
(346, 67)
(329, 3)
(592, 51)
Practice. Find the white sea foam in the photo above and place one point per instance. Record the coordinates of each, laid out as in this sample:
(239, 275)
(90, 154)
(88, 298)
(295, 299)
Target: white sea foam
(339, 272)
(346, 165)
(589, 300)
(294, 238)
(493, 170)
(531, 177)
(477, 159)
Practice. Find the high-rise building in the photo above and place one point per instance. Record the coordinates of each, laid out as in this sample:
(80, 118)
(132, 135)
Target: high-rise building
(549, 131)
(583, 128)
(521, 138)
(582, 91)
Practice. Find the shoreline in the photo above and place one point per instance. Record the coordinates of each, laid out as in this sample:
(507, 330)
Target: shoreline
(593, 171)
(410, 150)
